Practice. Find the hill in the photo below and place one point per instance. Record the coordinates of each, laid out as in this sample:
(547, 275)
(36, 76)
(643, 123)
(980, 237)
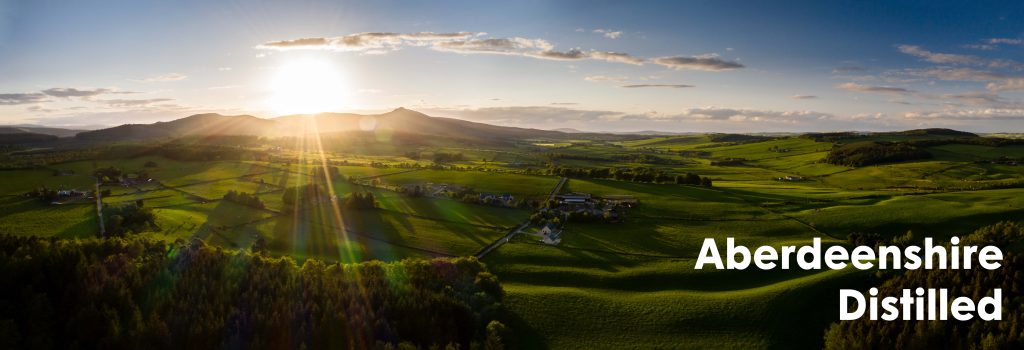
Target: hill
(35, 129)
(11, 138)
(400, 120)
(404, 120)
(197, 125)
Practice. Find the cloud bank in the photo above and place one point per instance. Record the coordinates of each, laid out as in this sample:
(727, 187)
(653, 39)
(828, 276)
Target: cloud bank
(477, 43)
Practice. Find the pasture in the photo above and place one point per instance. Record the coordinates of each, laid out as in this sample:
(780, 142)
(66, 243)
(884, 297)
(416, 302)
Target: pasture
(637, 274)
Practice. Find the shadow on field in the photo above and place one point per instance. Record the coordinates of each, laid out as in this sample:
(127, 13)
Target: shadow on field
(524, 336)
(88, 227)
(227, 225)
(308, 232)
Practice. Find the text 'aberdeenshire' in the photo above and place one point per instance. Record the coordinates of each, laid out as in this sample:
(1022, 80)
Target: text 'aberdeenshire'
(919, 304)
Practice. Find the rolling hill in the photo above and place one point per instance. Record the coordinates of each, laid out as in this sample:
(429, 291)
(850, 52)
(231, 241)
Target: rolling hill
(196, 125)
(400, 120)
(36, 129)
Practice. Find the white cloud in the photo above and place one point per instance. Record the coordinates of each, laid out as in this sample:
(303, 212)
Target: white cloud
(22, 98)
(1010, 84)
(600, 78)
(369, 42)
(526, 115)
(670, 86)
(128, 103)
(161, 78)
(948, 58)
(874, 89)
(478, 43)
(848, 69)
(1005, 41)
(83, 93)
(970, 114)
(743, 115)
(608, 33)
(535, 48)
(709, 62)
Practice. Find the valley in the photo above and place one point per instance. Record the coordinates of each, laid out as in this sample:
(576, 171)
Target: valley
(615, 267)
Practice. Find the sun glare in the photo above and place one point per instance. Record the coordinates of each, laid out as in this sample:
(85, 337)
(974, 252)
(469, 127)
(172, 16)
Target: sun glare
(308, 86)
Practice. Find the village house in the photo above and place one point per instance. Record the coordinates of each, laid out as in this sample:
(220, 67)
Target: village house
(790, 178)
(443, 190)
(70, 193)
(615, 200)
(550, 234)
(504, 198)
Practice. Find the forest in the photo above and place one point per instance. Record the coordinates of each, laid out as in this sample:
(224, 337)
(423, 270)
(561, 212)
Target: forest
(874, 152)
(140, 293)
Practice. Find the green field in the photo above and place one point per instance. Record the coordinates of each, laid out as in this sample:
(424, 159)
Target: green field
(627, 284)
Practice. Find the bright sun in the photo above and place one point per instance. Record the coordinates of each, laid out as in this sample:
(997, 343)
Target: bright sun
(307, 86)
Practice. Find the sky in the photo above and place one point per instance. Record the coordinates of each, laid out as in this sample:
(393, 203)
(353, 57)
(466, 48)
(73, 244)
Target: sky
(681, 66)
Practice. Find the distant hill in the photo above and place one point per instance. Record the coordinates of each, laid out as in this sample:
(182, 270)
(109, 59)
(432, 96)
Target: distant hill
(400, 120)
(933, 131)
(741, 138)
(915, 134)
(197, 125)
(405, 121)
(36, 129)
(13, 138)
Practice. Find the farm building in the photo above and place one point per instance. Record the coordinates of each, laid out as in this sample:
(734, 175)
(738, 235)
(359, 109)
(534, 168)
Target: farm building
(70, 193)
(574, 198)
(622, 199)
(550, 234)
(504, 198)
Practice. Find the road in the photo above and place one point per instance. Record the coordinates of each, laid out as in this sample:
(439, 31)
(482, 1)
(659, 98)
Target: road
(99, 209)
(494, 245)
(558, 188)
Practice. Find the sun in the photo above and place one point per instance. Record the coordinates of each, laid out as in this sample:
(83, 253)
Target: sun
(308, 86)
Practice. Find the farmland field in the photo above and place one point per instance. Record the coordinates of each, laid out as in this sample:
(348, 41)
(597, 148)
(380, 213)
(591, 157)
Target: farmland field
(636, 271)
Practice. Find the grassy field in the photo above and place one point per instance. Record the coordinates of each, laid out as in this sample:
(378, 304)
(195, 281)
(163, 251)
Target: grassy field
(16, 182)
(28, 216)
(629, 284)
(519, 185)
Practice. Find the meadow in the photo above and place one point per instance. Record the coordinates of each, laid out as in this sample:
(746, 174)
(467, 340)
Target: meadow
(626, 284)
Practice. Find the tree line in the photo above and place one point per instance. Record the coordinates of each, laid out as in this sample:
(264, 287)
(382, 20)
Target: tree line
(141, 293)
(131, 218)
(874, 152)
(636, 174)
(246, 199)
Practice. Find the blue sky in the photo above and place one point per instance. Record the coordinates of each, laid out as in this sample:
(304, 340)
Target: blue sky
(618, 66)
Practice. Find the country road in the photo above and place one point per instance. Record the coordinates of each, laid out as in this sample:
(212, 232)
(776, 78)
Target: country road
(99, 209)
(558, 188)
(504, 239)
